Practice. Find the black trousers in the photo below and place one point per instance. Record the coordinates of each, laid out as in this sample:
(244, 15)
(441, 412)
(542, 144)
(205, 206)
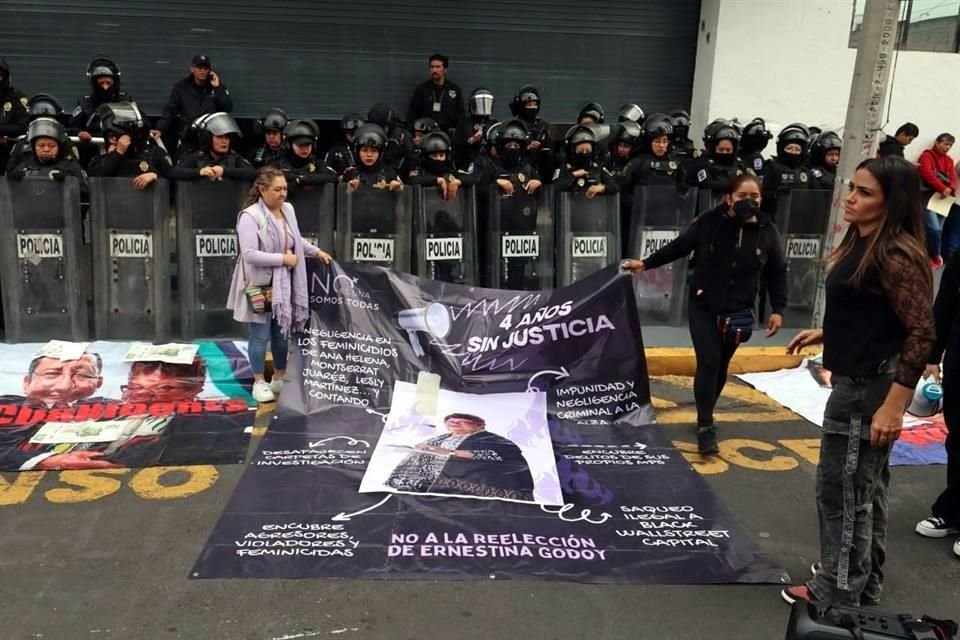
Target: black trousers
(713, 358)
(947, 505)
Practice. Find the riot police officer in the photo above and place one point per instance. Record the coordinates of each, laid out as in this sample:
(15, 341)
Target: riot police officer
(412, 161)
(437, 168)
(625, 147)
(369, 143)
(14, 115)
(715, 169)
(49, 154)
(786, 172)
(512, 170)
(270, 126)
(656, 165)
(398, 143)
(824, 158)
(39, 106)
(591, 113)
(682, 144)
(582, 172)
(470, 138)
(631, 112)
(526, 106)
(340, 157)
(128, 151)
(753, 141)
(299, 162)
(200, 93)
(104, 77)
(217, 135)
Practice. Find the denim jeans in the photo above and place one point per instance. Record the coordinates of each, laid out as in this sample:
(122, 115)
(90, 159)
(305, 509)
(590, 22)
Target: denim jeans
(260, 335)
(934, 228)
(853, 481)
(950, 241)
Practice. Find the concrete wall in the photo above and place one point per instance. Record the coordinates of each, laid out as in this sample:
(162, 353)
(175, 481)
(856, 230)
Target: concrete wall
(790, 61)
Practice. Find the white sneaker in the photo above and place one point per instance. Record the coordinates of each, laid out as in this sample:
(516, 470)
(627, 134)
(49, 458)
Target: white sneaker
(934, 527)
(275, 385)
(956, 548)
(262, 392)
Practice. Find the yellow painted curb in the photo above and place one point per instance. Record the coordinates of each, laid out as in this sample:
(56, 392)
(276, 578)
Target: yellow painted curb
(680, 361)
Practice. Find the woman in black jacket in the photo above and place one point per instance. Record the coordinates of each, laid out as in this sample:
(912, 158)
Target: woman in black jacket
(735, 244)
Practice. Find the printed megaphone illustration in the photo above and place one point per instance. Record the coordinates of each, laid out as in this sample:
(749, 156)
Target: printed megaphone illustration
(433, 319)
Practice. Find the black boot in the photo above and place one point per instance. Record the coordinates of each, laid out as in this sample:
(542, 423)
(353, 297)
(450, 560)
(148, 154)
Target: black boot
(707, 441)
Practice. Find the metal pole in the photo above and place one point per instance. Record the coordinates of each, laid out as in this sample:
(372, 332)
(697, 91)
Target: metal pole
(868, 97)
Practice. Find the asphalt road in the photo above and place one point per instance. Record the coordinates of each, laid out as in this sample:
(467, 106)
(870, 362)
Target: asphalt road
(106, 555)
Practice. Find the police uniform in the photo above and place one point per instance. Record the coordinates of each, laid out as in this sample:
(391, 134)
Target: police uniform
(564, 180)
(59, 169)
(14, 115)
(340, 158)
(822, 177)
(780, 177)
(188, 101)
(466, 152)
(712, 174)
(141, 157)
(444, 104)
(305, 173)
(87, 107)
(264, 155)
(235, 166)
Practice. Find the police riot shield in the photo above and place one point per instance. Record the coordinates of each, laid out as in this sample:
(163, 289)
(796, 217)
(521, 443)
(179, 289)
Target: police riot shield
(207, 252)
(707, 199)
(520, 239)
(316, 214)
(659, 215)
(447, 236)
(587, 235)
(131, 260)
(374, 226)
(44, 286)
(802, 217)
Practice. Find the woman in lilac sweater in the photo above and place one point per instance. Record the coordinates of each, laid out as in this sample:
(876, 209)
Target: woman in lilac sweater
(271, 255)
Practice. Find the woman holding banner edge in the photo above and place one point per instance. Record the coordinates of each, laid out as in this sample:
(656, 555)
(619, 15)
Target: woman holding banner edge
(878, 332)
(735, 243)
(269, 287)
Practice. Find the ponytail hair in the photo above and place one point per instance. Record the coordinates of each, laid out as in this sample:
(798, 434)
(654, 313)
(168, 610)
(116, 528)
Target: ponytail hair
(264, 177)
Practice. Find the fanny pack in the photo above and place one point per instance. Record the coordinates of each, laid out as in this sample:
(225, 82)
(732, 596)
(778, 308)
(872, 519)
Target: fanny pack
(736, 327)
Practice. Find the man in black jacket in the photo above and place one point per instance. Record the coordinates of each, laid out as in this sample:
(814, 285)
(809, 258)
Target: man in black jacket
(14, 116)
(199, 93)
(438, 98)
(893, 145)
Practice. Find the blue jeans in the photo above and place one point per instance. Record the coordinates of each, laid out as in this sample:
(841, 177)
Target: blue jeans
(934, 226)
(260, 335)
(951, 233)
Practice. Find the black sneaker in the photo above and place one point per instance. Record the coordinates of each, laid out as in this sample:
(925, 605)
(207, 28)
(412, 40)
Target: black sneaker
(934, 527)
(707, 441)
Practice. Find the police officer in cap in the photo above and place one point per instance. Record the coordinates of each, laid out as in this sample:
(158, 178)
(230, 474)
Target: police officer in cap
(824, 158)
(473, 130)
(299, 162)
(682, 144)
(371, 170)
(50, 155)
(753, 141)
(526, 106)
(217, 134)
(411, 162)
(786, 172)
(270, 126)
(128, 151)
(581, 172)
(14, 116)
(104, 77)
(399, 143)
(200, 93)
(717, 167)
(340, 156)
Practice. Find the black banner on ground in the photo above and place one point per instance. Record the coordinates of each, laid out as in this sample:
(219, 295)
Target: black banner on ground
(628, 508)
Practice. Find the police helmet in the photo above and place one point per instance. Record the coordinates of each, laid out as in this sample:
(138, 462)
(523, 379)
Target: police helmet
(826, 141)
(45, 127)
(381, 115)
(370, 135)
(351, 122)
(629, 132)
(44, 104)
(579, 134)
(927, 399)
(121, 118)
(526, 93)
(481, 102)
(215, 124)
(756, 135)
(301, 131)
(273, 120)
(795, 133)
(425, 125)
(435, 142)
(592, 110)
(101, 66)
(720, 130)
(680, 120)
(630, 112)
(512, 131)
(494, 133)
(656, 125)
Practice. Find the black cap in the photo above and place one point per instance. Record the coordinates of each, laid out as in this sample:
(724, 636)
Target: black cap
(201, 61)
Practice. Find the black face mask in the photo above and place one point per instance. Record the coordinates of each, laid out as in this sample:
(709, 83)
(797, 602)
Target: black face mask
(790, 160)
(743, 210)
(725, 159)
(582, 160)
(435, 166)
(105, 95)
(511, 158)
(529, 115)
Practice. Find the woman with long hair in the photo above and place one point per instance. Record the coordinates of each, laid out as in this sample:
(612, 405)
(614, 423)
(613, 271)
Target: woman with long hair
(877, 334)
(269, 288)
